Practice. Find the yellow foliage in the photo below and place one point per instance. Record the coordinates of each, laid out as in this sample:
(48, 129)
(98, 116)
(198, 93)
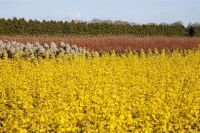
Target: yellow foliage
(127, 93)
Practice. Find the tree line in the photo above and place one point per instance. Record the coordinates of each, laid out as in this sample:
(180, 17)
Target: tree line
(20, 26)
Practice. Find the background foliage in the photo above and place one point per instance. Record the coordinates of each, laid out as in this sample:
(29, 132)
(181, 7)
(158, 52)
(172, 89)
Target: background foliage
(20, 26)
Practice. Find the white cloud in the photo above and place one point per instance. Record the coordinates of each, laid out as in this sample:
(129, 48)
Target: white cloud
(75, 16)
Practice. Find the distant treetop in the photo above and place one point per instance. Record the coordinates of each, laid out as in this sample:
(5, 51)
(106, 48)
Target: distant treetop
(21, 26)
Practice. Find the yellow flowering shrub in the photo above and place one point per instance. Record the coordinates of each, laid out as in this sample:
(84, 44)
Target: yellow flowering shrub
(127, 93)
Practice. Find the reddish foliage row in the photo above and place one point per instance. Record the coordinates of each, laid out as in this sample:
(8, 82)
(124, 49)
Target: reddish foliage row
(114, 42)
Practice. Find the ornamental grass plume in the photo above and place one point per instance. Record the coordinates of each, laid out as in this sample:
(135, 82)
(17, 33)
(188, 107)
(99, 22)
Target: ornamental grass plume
(35, 49)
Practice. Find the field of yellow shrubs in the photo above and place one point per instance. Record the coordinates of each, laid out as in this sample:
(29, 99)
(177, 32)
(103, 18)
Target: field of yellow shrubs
(112, 93)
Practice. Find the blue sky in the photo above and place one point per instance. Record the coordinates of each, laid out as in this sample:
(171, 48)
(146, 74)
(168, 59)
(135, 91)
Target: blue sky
(137, 11)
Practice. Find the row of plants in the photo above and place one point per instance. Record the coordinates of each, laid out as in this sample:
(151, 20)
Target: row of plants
(36, 49)
(64, 28)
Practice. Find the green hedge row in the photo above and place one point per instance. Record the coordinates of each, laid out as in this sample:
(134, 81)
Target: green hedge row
(34, 27)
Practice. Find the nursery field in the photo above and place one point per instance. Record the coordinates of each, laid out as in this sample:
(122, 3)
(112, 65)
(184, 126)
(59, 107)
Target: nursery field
(150, 92)
(120, 43)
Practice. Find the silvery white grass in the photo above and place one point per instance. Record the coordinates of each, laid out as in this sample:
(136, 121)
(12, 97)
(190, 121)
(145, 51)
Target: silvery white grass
(35, 49)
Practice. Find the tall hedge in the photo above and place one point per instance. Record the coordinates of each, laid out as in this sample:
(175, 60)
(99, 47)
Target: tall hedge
(34, 27)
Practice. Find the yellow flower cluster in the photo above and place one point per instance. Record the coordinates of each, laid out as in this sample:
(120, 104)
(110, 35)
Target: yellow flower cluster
(126, 93)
